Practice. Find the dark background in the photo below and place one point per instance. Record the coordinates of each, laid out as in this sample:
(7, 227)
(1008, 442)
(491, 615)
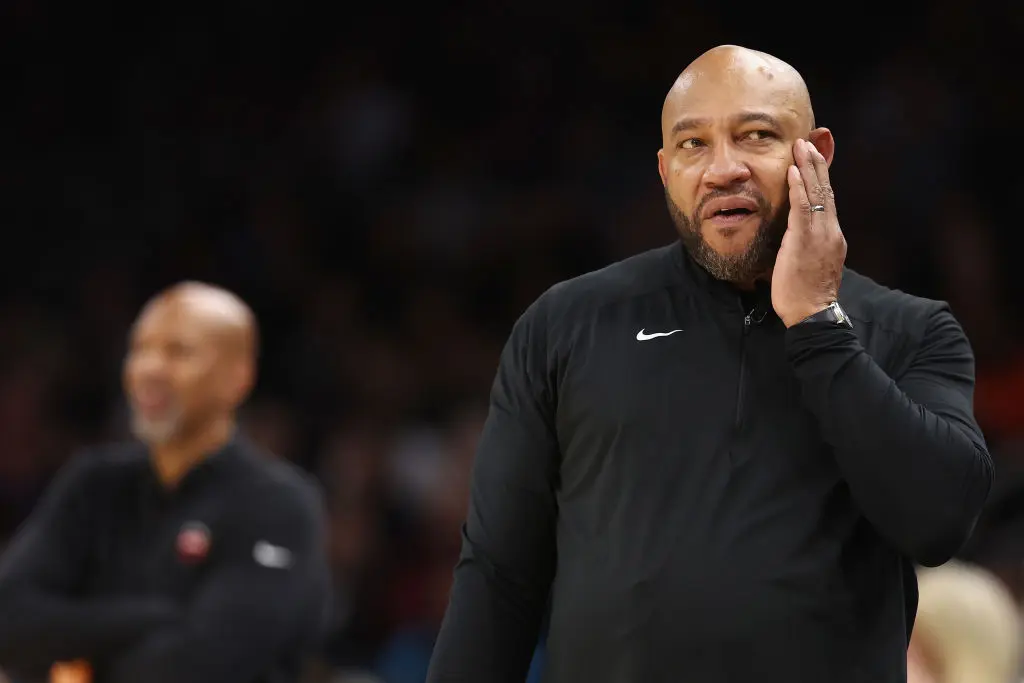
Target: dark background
(390, 186)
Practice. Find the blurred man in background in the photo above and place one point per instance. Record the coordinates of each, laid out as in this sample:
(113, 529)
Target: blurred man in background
(191, 556)
(720, 460)
(968, 628)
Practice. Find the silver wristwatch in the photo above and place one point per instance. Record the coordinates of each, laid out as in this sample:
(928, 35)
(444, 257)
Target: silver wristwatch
(834, 314)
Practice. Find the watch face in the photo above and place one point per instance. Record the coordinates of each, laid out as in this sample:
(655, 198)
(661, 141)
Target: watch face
(840, 315)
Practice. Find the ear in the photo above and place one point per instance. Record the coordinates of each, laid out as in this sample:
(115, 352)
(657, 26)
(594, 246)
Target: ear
(662, 168)
(240, 382)
(823, 141)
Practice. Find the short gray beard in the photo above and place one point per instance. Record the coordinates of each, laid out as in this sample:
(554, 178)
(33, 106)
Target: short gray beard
(744, 268)
(157, 432)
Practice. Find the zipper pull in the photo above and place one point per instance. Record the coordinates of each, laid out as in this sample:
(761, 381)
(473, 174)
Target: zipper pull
(746, 321)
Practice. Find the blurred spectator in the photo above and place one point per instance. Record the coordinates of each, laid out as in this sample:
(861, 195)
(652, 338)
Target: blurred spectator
(968, 629)
(967, 256)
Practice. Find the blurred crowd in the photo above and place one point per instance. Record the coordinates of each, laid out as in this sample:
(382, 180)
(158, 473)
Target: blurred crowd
(390, 194)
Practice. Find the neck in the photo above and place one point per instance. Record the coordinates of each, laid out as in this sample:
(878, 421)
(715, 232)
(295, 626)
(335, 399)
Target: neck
(173, 460)
(762, 280)
(748, 286)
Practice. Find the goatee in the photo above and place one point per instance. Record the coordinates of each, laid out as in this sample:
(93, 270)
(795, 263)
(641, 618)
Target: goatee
(744, 268)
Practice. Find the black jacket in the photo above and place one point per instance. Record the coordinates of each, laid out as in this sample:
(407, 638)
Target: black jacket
(730, 502)
(222, 580)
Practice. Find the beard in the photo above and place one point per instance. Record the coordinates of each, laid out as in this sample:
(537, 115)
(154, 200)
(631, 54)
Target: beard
(754, 262)
(158, 431)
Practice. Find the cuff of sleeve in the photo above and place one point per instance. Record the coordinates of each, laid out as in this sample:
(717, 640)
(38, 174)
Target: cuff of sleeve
(816, 346)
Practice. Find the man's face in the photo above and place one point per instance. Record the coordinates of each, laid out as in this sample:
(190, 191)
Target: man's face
(173, 373)
(728, 142)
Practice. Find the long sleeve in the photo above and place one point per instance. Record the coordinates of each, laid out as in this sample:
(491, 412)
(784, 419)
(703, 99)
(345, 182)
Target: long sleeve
(909, 448)
(266, 592)
(507, 563)
(41, 619)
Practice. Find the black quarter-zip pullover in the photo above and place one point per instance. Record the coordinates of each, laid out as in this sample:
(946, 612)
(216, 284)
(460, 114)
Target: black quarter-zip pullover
(223, 579)
(699, 494)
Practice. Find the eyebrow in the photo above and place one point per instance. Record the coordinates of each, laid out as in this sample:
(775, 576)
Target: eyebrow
(690, 122)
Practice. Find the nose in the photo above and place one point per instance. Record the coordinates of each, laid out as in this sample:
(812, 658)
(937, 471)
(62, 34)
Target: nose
(147, 364)
(726, 167)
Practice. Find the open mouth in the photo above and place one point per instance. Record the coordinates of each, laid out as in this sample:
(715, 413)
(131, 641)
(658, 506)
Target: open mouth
(152, 402)
(726, 212)
(726, 218)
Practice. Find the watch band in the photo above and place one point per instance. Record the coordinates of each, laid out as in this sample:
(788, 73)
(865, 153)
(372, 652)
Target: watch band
(833, 313)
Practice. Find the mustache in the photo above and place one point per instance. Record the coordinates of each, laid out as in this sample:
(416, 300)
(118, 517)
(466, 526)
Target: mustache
(763, 207)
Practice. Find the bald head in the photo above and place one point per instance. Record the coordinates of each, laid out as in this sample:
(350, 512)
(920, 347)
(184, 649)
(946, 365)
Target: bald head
(222, 314)
(745, 74)
(191, 362)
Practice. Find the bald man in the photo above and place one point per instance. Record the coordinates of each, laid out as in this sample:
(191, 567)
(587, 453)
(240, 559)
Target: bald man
(187, 556)
(720, 460)
(968, 628)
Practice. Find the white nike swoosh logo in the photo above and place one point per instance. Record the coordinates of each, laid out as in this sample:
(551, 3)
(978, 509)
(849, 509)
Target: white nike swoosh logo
(271, 556)
(641, 336)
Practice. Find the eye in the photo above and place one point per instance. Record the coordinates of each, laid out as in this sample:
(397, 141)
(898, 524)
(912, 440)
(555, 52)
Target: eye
(689, 143)
(760, 135)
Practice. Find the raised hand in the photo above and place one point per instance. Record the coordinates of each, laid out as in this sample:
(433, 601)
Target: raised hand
(809, 266)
